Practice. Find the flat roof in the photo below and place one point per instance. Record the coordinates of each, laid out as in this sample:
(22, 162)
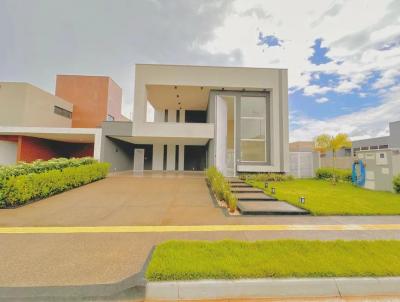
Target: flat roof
(208, 66)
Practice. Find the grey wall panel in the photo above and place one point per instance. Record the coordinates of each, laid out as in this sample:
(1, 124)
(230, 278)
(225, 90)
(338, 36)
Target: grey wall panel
(118, 153)
(394, 140)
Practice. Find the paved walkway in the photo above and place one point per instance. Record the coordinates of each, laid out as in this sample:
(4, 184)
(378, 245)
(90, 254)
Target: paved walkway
(124, 216)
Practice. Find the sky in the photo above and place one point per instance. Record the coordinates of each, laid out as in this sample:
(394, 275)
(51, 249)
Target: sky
(343, 57)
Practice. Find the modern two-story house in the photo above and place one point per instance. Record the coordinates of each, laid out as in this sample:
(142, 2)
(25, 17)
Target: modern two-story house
(186, 118)
(233, 118)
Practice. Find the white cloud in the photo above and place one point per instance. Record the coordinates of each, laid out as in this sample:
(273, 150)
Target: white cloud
(354, 40)
(322, 100)
(388, 78)
(369, 122)
(315, 89)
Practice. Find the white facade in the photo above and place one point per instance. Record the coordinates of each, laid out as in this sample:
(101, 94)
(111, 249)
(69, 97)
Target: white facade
(234, 118)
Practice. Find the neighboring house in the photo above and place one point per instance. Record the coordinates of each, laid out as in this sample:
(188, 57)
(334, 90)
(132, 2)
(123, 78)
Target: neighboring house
(35, 124)
(344, 158)
(380, 143)
(381, 156)
(231, 117)
(301, 146)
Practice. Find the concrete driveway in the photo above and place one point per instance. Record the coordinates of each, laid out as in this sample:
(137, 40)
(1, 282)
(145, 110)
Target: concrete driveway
(123, 199)
(153, 199)
(149, 199)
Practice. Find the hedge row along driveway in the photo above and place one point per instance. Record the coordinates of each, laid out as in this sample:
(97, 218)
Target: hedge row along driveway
(24, 182)
(324, 198)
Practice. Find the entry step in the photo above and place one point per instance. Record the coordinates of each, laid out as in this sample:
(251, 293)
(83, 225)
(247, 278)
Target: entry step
(245, 189)
(240, 185)
(269, 208)
(256, 196)
(233, 180)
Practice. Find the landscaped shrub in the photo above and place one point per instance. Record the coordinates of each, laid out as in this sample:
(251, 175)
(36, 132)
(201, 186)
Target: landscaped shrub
(266, 177)
(221, 188)
(328, 174)
(396, 183)
(231, 201)
(39, 166)
(20, 189)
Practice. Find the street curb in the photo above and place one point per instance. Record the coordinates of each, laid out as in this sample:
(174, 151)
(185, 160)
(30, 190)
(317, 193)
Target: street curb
(136, 281)
(272, 288)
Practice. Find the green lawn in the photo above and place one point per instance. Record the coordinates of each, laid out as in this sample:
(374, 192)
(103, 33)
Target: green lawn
(194, 260)
(324, 198)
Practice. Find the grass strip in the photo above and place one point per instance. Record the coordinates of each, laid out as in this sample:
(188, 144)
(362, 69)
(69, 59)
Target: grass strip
(194, 260)
(324, 198)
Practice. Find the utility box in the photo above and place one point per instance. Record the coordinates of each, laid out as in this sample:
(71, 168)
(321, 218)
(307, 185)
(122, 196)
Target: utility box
(380, 168)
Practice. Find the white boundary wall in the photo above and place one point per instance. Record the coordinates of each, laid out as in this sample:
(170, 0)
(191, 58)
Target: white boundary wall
(303, 164)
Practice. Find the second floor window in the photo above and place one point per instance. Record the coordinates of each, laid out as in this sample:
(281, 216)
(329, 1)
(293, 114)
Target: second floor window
(63, 112)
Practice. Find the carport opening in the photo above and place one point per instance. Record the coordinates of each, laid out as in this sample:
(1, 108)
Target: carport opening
(195, 158)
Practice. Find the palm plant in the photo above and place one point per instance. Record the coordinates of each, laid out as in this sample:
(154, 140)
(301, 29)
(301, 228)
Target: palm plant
(325, 143)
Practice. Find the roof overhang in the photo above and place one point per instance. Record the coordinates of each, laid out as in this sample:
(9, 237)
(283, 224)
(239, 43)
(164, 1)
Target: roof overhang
(70, 135)
(143, 140)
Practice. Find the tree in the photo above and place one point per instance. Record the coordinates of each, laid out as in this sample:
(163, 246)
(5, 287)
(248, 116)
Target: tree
(324, 143)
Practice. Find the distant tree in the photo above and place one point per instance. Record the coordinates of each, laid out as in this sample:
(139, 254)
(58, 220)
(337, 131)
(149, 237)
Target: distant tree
(324, 143)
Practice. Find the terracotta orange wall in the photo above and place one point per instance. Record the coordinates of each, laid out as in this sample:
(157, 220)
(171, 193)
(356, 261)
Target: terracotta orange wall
(115, 101)
(32, 148)
(9, 138)
(88, 94)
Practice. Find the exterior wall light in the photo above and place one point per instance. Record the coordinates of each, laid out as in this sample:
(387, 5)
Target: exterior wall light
(273, 190)
(302, 199)
(265, 185)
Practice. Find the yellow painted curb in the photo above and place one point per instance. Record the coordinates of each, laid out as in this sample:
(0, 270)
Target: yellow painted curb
(198, 228)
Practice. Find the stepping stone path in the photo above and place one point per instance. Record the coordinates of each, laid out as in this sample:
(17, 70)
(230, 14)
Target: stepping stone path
(248, 189)
(253, 201)
(240, 185)
(269, 208)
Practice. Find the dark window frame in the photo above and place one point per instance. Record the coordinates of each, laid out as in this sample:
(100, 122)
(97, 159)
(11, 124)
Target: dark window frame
(62, 112)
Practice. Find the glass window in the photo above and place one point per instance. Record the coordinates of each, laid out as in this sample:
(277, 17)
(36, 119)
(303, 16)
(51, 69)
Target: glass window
(253, 112)
(252, 150)
(253, 107)
(63, 112)
(252, 129)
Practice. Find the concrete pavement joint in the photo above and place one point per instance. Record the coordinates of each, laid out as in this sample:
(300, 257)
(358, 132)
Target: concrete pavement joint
(197, 228)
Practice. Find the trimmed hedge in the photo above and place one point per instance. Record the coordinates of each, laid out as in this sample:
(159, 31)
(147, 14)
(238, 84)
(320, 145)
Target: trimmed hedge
(396, 183)
(327, 174)
(18, 190)
(39, 166)
(221, 188)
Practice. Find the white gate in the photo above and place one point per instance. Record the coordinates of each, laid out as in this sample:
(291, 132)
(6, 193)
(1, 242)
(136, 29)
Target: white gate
(302, 164)
(138, 160)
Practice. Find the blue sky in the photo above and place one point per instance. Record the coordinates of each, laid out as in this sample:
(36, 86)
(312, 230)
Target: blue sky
(344, 67)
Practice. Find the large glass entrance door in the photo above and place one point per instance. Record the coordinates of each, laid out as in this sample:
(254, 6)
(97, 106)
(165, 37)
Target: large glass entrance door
(225, 134)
